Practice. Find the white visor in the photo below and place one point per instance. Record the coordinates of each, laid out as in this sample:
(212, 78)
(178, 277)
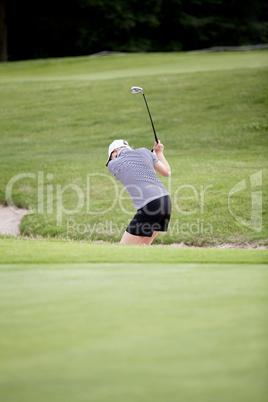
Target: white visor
(115, 144)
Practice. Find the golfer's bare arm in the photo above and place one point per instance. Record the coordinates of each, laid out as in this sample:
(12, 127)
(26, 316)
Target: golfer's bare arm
(162, 165)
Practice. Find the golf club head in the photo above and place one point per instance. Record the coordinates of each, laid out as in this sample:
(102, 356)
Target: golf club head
(136, 90)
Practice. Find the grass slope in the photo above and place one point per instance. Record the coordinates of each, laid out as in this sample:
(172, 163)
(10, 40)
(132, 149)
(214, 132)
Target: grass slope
(210, 110)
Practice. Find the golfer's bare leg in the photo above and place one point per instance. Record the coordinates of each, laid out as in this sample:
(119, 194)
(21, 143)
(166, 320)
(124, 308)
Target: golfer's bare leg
(132, 239)
(148, 240)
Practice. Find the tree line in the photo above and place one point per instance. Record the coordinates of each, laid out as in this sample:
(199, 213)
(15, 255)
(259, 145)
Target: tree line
(56, 28)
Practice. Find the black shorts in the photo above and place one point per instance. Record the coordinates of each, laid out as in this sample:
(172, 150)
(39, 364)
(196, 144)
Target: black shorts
(153, 216)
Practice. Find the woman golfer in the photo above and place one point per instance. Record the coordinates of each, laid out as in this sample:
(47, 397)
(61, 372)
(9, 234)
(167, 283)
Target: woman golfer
(135, 169)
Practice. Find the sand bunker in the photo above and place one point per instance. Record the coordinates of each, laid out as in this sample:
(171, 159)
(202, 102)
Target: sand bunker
(10, 218)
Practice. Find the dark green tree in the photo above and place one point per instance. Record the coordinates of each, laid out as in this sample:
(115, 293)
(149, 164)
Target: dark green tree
(56, 28)
(3, 31)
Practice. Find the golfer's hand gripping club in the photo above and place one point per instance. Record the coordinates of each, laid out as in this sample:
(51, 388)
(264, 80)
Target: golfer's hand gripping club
(158, 147)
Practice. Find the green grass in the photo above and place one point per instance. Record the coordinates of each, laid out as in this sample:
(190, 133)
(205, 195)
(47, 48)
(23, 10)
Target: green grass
(36, 251)
(129, 65)
(128, 331)
(210, 110)
(83, 321)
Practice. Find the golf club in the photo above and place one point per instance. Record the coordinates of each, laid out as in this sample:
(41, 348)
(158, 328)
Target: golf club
(136, 90)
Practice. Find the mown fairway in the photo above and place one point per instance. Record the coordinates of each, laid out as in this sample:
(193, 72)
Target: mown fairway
(130, 331)
(210, 110)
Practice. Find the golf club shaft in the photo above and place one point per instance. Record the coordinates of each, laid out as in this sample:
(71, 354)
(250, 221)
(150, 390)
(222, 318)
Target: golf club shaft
(156, 139)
